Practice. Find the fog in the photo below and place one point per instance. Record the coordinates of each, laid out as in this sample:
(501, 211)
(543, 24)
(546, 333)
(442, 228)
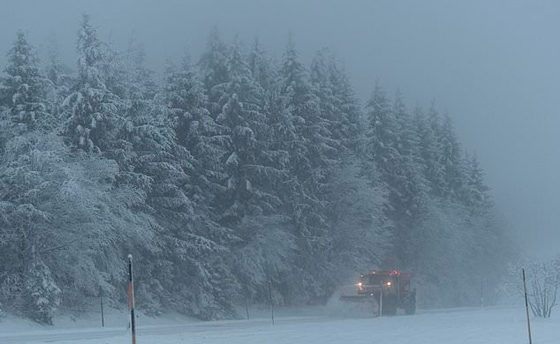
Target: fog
(492, 64)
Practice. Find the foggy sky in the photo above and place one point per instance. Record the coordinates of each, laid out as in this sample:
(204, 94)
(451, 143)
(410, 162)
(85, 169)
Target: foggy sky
(494, 65)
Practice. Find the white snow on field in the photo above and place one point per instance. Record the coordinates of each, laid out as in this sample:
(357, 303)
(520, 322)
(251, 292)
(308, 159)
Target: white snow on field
(492, 325)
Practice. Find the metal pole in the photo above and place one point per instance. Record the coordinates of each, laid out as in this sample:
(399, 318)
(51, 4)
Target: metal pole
(527, 307)
(271, 302)
(131, 300)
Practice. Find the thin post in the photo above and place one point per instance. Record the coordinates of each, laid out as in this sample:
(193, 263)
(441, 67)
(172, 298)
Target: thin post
(247, 309)
(527, 307)
(482, 293)
(271, 302)
(381, 302)
(131, 300)
(102, 315)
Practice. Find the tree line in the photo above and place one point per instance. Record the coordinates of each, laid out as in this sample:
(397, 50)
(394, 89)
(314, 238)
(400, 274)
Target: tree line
(234, 171)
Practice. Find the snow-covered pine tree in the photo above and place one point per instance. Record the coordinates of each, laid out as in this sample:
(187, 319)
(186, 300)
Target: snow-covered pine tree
(41, 292)
(436, 166)
(382, 134)
(408, 140)
(249, 203)
(311, 162)
(477, 196)
(451, 159)
(189, 274)
(453, 225)
(60, 77)
(492, 247)
(214, 70)
(411, 185)
(250, 162)
(261, 67)
(390, 146)
(24, 88)
(341, 122)
(137, 81)
(427, 129)
(64, 207)
(361, 237)
(331, 116)
(348, 126)
(196, 130)
(93, 111)
(380, 150)
(56, 71)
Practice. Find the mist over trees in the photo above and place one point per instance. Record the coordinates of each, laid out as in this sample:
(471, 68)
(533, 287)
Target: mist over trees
(236, 170)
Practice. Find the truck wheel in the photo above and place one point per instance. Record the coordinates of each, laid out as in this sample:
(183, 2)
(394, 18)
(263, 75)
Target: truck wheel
(389, 311)
(390, 306)
(410, 310)
(411, 307)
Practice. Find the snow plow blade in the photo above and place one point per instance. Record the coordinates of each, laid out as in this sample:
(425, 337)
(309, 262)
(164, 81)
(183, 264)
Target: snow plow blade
(351, 306)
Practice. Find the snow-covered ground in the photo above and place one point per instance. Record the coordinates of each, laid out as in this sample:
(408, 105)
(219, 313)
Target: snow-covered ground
(505, 325)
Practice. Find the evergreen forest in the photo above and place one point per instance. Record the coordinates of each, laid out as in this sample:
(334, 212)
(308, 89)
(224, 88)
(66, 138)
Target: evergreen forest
(235, 172)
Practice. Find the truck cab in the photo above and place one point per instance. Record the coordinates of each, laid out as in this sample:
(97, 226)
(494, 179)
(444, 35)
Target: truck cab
(391, 288)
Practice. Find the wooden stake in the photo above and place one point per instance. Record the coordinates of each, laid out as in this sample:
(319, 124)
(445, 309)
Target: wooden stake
(102, 315)
(271, 302)
(527, 307)
(482, 293)
(381, 303)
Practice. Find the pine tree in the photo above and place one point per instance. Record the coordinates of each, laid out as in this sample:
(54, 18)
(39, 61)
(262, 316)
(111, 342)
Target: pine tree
(250, 164)
(348, 126)
(92, 109)
(382, 136)
(248, 202)
(194, 244)
(64, 208)
(331, 116)
(61, 80)
(261, 67)
(427, 129)
(56, 71)
(154, 156)
(138, 84)
(437, 166)
(477, 196)
(391, 147)
(25, 87)
(42, 293)
(196, 130)
(214, 68)
(310, 167)
(451, 159)
(361, 237)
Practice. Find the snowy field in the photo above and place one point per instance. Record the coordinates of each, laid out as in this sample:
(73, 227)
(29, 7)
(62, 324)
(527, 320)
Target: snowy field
(493, 325)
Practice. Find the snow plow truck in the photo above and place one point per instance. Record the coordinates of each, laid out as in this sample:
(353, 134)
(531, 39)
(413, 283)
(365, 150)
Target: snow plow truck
(385, 291)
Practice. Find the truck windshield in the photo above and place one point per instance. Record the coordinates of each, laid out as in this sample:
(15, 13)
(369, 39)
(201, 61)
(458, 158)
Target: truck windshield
(377, 279)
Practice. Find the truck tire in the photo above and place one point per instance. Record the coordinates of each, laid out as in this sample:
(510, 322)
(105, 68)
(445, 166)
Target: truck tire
(389, 306)
(410, 308)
